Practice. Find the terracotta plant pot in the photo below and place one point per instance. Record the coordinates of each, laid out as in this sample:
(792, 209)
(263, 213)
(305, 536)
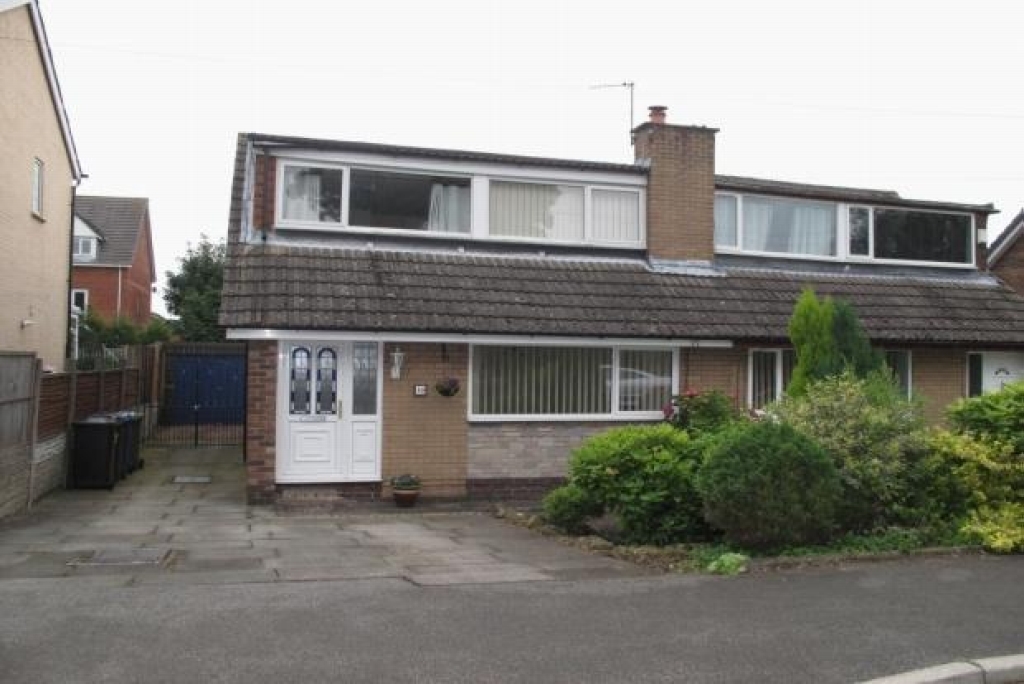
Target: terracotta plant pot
(405, 498)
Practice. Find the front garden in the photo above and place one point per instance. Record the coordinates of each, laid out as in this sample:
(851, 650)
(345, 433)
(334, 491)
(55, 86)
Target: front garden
(843, 464)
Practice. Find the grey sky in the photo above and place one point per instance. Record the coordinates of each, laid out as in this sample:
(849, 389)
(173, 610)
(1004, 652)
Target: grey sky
(920, 97)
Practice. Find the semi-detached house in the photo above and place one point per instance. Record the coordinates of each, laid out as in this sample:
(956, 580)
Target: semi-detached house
(564, 296)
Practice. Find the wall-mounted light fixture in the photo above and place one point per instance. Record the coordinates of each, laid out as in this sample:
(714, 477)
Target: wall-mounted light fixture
(397, 361)
(27, 322)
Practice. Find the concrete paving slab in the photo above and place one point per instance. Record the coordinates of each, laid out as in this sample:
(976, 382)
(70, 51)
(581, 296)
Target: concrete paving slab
(476, 574)
(206, 577)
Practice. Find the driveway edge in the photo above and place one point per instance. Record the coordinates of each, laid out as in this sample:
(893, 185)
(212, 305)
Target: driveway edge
(998, 670)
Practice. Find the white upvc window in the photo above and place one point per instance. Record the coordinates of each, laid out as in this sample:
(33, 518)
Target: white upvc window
(84, 248)
(900, 364)
(38, 186)
(570, 383)
(80, 299)
(834, 231)
(320, 195)
(768, 374)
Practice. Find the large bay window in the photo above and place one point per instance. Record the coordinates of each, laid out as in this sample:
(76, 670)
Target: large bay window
(326, 196)
(829, 230)
(538, 383)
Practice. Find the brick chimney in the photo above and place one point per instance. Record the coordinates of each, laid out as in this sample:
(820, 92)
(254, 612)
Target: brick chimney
(680, 189)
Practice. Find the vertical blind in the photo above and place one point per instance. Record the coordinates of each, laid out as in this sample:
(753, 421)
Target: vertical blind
(554, 212)
(616, 215)
(541, 380)
(645, 379)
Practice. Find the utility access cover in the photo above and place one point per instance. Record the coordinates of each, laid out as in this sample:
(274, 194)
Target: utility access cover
(191, 479)
(124, 557)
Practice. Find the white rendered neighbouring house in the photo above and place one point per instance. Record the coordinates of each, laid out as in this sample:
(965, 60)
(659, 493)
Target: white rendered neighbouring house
(565, 296)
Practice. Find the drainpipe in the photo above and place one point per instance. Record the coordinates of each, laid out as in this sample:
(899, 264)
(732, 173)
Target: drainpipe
(119, 291)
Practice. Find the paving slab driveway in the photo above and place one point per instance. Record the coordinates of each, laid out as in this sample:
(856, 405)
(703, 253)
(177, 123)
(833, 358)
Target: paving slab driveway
(165, 524)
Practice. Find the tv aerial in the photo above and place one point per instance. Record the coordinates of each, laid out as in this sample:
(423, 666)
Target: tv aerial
(630, 85)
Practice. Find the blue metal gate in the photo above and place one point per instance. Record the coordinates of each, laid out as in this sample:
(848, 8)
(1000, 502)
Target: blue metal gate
(203, 398)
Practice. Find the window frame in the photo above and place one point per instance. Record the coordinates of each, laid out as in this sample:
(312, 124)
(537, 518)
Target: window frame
(479, 186)
(780, 386)
(910, 367)
(843, 254)
(93, 243)
(616, 414)
(85, 296)
(38, 187)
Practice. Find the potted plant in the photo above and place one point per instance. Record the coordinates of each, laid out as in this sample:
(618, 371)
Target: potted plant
(448, 387)
(405, 489)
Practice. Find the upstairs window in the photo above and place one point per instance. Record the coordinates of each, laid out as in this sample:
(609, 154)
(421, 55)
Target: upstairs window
(38, 177)
(84, 248)
(321, 196)
(788, 226)
(922, 236)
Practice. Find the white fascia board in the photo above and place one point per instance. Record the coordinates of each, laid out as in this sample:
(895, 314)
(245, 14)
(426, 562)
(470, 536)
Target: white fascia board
(455, 338)
(463, 168)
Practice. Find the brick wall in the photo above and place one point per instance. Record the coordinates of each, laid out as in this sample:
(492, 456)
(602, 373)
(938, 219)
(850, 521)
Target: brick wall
(724, 370)
(261, 422)
(525, 449)
(263, 194)
(680, 190)
(101, 282)
(939, 378)
(1010, 266)
(426, 436)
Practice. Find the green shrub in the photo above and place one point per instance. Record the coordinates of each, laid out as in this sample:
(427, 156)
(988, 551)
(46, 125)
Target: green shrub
(645, 476)
(956, 473)
(728, 564)
(871, 431)
(997, 415)
(999, 529)
(767, 486)
(568, 508)
(701, 412)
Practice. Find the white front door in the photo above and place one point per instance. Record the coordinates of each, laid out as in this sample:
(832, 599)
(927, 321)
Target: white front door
(328, 412)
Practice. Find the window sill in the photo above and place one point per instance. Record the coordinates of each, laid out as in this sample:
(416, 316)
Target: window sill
(581, 418)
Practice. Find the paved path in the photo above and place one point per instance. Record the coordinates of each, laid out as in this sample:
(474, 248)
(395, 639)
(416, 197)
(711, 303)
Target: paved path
(158, 528)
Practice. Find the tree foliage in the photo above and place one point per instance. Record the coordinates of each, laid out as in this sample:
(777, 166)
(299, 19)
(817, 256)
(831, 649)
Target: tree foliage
(828, 339)
(193, 293)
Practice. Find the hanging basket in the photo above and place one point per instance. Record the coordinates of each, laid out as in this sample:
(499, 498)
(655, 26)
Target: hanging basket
(448, 387)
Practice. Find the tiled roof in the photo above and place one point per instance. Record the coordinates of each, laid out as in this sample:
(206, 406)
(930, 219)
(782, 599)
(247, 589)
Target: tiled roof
(330, 288)
(119, 220)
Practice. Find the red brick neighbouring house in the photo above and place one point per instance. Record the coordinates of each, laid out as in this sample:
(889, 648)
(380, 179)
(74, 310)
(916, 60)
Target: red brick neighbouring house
(564, 296)
(113, 269)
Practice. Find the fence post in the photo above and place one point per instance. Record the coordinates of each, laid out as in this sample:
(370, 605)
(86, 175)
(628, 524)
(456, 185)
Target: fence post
(69, 430)
(33, 435)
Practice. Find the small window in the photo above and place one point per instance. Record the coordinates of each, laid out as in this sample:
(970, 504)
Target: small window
(860, 227)
(725, 221)
(898, 362)
(84, 248)
(364, 379)
(975, 371)
(326, 382)
(80, 299)
(534, 210)
(616, 215)
(311, 194)
(770, 373)
(38, 174)
(299, 382)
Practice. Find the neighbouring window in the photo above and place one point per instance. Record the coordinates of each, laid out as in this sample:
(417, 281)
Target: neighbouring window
(38, 178)
(326, 382)
(789, 226)
(364, 378)
(860, 231)
(84, 247)
(898, 362)
(922, 236)
(570, 381)
(770, 373)
(616, 215)
(80, 299)
(725, 221)
(383, 199)
(311, 194)
(534, 210)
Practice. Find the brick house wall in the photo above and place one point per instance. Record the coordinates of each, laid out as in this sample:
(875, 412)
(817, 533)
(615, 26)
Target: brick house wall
(101, 282)
(264, 192)
(1010, 266)
(261, 422)
(135, 287)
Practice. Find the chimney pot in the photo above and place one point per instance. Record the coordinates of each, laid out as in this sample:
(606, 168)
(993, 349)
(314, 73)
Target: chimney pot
(657, 114)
